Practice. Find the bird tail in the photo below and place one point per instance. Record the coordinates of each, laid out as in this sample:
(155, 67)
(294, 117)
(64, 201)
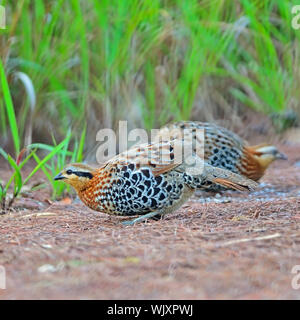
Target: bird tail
(229, 179)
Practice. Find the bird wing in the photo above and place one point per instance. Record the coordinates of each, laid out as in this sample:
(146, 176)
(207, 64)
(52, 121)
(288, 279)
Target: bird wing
(205, 133)
(159, 156)
(164, 156)
(229, 179)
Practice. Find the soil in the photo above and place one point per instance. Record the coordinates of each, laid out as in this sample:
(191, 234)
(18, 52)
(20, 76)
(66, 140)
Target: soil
(229, 246)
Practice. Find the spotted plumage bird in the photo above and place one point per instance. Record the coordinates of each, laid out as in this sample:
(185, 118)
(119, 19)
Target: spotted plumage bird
(147, 180)
(225, 149)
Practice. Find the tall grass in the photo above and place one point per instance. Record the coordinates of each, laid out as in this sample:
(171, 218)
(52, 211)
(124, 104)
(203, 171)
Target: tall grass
(59, 151)
(151, 60)
(148, 61)
(10, 109)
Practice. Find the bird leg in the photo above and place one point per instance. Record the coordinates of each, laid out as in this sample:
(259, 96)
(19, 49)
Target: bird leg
(153, 214)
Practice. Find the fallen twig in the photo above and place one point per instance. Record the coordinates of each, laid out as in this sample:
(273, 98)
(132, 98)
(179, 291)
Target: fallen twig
(270, 236)
(39, 214)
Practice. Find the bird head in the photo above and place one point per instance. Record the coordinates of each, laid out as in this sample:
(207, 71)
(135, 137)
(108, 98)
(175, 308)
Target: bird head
(77, 175)
(266, 154)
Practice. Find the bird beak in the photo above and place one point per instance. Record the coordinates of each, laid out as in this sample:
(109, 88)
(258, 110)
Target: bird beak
(281, 156)
(59, 177)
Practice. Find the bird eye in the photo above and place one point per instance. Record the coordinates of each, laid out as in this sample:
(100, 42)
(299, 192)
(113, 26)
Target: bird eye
(69, 171)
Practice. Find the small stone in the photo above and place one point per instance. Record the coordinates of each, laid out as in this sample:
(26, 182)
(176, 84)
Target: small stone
(51, 268)
(46, 246)
(297, 164)
(47, 268)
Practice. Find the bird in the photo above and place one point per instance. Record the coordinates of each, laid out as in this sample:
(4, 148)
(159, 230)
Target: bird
(225, 149)
(147, 180)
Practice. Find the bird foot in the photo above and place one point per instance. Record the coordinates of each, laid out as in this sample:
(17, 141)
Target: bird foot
(154, 215)
(128, 223)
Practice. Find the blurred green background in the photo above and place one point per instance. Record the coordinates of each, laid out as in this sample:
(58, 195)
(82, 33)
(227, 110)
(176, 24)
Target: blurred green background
(71, 64)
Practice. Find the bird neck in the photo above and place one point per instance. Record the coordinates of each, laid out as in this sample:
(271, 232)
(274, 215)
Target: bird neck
(79, 185)
(253, 166)
(87, 195)
(264, 161)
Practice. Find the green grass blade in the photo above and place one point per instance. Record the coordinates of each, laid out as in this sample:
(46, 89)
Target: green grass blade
(54, 152)
(79, 156)
(17, 175)
(10, 109)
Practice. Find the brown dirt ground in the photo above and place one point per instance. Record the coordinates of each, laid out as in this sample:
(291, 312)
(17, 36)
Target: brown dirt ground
(215, 250)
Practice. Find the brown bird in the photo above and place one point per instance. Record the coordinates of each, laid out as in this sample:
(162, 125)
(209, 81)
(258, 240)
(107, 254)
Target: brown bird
(225, 149)
(147, 180)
